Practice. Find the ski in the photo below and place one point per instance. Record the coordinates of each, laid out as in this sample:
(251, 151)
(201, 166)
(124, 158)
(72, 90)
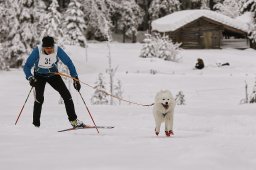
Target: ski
(87, 127)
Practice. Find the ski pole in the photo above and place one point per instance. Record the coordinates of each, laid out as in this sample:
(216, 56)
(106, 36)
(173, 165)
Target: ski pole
(23, 106)
(89, 112)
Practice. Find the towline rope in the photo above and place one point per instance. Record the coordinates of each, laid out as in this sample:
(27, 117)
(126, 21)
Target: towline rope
(75, 79)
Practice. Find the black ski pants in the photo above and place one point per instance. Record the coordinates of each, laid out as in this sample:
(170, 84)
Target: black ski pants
(57, 83)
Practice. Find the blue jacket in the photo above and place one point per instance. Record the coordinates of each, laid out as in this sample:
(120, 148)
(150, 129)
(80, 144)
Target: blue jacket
(33, 60)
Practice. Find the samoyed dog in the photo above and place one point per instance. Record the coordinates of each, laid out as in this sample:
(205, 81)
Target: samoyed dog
(163, 110)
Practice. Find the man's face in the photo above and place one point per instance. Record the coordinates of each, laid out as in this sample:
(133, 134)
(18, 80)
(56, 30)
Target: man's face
(48, 50)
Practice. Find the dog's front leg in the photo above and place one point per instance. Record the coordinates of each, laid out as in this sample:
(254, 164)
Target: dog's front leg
(158, 125)
(169, 125)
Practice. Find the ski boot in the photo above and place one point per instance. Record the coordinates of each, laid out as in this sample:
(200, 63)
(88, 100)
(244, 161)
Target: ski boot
(77, 123)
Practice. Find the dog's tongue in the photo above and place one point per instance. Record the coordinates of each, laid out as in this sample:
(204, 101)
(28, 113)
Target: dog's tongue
(166, 106)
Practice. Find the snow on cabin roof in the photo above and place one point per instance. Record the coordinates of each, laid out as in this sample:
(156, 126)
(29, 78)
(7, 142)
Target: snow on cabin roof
(178, 19)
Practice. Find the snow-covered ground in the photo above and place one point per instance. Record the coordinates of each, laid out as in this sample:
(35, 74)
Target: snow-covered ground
(213, 131)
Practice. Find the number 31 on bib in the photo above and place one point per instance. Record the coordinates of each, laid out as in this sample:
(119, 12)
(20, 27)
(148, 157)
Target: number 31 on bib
(46, 61)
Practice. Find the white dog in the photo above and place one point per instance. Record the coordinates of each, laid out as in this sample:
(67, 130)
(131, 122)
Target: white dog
(163, 111)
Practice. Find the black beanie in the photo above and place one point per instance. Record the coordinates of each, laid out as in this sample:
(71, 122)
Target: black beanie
(48, 42)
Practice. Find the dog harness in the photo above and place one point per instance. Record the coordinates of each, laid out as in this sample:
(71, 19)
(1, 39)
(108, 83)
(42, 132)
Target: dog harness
(164, 114)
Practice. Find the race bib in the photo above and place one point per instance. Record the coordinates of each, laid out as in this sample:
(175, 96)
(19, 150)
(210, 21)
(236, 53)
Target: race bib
(46, 61)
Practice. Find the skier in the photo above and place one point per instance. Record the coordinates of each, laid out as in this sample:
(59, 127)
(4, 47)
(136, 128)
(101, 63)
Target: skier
(44, 59)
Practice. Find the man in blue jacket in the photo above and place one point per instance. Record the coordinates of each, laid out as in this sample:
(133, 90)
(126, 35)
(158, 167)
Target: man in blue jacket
(44, 59)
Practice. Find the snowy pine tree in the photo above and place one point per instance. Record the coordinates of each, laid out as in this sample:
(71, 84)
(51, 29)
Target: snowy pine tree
(168, 50)
(118, 91)
(148, 49)
(40, 15)
(3, 63)
(160, 47)
(204, 4)
(252, 98)
(74, 25)
(97, 17)
(52, 22)
(180, 98)
(230, 8)
(99, 96)
(160, 8)
(131, 17)
(250, 6)
(4, 29)
(21, 36)
(23, 31)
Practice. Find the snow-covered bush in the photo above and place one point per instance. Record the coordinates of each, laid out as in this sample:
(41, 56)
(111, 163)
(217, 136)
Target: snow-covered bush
(152, 71)
(252, 98)
(168, 50)
(118, 92)
(180, 98)
(148, 49)
(245, 100)
(160, 47)
(99, 96)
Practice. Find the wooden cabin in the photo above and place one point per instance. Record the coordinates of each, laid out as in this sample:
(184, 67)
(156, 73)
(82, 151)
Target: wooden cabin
(203, 29)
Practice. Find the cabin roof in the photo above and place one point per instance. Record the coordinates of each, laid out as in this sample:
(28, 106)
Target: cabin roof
(176, 20)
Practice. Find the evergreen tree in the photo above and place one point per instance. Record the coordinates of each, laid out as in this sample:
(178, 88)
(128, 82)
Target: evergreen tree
(4, 13)
(168, 50)
(161, 47)
(52, 22)
(250, 6)
(3, 32)
(97, 17)
(230, 8)
(41, 16)
(160, 8)
(3, 63)
(75, 25)
(131, 17)
(114, 10)
(118, 91)
(204, 4)
(99, 96)
(23, 35)
(148, 49)
(252, 98)
(180, 98)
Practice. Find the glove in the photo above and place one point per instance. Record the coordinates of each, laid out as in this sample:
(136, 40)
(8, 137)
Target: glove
(32, 81)
(77, 84)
